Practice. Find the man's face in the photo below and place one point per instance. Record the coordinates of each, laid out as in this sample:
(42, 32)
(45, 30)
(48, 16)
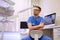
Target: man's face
(36, 11)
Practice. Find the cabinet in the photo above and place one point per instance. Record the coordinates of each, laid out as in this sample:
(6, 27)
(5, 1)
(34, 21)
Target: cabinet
(56, 32)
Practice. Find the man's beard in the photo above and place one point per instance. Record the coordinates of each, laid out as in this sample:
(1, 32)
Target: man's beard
(35, 14)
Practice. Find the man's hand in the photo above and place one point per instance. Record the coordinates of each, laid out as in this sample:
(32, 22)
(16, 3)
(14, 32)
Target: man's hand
(40, 29)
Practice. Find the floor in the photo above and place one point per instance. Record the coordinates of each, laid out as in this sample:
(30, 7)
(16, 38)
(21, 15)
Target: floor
(10, 36)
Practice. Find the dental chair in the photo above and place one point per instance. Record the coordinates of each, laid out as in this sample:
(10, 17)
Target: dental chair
(36, 34)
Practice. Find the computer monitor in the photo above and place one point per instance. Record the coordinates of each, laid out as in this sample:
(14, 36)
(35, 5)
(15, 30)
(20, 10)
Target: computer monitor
(50, 19)
(23, 25)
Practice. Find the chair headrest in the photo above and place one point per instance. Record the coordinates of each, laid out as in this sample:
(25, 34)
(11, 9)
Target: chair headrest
(39, 33)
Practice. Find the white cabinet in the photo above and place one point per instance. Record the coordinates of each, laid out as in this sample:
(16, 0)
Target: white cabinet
(56, 34)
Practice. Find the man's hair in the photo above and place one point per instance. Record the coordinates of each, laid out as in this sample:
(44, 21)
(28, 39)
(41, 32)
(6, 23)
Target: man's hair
(38, 7)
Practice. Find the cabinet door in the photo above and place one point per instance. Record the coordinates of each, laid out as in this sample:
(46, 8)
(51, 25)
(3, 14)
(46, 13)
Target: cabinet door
(57, 34)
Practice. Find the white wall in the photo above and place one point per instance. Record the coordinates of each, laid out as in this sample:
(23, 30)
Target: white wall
(21, 5)
(50, 6)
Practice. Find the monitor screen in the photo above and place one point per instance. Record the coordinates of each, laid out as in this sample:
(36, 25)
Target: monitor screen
(23, 25)
(50, 19)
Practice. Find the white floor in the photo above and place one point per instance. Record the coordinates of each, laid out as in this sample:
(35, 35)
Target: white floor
(10, 36)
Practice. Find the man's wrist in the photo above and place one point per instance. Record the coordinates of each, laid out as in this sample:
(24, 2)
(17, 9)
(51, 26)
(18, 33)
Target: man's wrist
(39, 26)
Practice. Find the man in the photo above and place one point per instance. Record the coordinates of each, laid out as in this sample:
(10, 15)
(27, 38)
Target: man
(36, 23)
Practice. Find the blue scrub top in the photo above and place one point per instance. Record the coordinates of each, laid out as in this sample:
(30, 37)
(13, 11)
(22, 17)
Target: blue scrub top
(35, 21)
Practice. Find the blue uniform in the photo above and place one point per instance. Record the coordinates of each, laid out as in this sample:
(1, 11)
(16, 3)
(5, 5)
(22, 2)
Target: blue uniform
(35, 22)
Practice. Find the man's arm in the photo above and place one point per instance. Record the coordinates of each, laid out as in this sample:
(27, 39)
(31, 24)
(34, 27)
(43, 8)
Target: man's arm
(41, 26)
(38, 27)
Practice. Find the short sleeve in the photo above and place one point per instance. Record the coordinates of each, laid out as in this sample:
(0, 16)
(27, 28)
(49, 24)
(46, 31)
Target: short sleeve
(29, 20)
(42, 20)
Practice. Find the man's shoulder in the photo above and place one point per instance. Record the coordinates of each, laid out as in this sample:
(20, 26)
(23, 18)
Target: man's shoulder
(31, 17)
(40, 17)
